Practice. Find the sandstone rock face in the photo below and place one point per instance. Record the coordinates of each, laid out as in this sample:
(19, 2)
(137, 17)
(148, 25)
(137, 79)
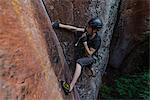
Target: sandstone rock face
(129, 34)
(78, 12)
(31, 59)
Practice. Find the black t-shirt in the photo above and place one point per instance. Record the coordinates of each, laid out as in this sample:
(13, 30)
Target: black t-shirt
(93, 43)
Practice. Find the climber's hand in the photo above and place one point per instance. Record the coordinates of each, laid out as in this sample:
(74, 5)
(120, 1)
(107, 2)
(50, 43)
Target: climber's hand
(55, 25)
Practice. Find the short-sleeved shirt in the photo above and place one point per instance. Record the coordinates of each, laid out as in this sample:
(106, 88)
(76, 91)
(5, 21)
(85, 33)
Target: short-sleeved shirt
(94, 42)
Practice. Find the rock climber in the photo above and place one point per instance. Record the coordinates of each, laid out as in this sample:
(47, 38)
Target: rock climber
(91, 42)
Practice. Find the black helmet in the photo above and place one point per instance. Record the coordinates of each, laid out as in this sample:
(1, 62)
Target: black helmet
(95, 23)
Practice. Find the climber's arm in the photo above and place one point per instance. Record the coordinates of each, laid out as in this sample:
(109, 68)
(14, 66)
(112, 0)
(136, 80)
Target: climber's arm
(71, 28)
(90, 51)
(57, 25)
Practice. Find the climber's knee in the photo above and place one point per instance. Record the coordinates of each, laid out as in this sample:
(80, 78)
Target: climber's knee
(85, 61)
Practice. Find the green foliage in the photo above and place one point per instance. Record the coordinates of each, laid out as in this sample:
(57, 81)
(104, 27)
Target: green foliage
(105, 90)
(146, 32)
(128, 87)
(134, 86)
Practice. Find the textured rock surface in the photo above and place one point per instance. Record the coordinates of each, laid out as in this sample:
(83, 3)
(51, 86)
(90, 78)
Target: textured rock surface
(27, 70)
(107, 11)
(31, 67)
(78, 12)
(129, 34)
(62, 10)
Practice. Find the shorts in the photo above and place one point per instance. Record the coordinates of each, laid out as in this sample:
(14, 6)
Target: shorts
(85, 61)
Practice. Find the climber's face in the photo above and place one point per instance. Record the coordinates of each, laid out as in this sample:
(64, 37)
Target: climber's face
(90, 30)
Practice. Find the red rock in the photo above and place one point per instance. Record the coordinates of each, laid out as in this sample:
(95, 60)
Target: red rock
(27, 70)
(77, 13)
(129, 33)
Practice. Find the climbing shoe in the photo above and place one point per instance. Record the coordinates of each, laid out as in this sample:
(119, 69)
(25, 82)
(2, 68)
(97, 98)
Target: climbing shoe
(65, 87)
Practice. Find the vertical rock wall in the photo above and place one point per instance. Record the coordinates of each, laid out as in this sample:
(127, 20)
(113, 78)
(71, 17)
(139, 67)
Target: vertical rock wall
(78, 12)
(107, 11)
(62, 10)
(130, 32)
(27, 70)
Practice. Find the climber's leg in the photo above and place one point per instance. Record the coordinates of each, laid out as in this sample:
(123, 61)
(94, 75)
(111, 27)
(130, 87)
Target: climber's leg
(80, 63)
(76, 76)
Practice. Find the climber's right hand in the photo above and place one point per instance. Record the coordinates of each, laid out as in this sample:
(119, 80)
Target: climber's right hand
(55, 25)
